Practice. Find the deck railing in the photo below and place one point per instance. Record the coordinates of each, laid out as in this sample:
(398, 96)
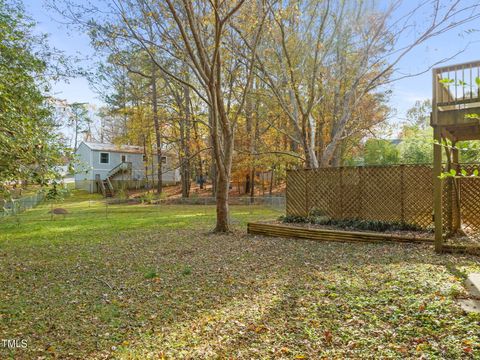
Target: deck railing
(457, 84)
(123, 166)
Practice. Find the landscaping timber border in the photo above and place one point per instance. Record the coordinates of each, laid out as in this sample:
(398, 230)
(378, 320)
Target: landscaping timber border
(280, 230)
(461, 249)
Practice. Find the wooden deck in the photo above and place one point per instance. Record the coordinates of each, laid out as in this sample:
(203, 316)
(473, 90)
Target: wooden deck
(456, 96)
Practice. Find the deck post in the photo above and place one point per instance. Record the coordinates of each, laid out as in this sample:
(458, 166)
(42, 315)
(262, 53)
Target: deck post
(437, 189)
(456, 216)
(437, 167)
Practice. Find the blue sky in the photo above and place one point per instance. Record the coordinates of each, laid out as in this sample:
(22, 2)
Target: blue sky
(405, 92)
(69, 41)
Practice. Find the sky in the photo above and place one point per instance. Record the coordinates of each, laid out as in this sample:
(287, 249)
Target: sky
(69, 41)
(404, 92)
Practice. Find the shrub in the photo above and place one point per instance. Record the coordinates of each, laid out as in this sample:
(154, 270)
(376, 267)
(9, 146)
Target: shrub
(121, 194)
(317, 213)
(293, 219)
(359, 224)
(57, 193)
(147, 198)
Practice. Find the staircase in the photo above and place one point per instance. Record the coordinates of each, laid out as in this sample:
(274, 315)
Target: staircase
(120, 168)
(108, 189)
(105, 186)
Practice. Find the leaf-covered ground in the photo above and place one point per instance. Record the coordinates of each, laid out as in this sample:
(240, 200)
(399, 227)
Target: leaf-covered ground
(152, 282)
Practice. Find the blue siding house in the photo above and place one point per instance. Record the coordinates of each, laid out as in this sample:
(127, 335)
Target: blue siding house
(119, 166)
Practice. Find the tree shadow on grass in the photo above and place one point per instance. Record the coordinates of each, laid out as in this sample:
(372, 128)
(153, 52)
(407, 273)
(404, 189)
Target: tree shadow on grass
(183, 293)
(312, 303)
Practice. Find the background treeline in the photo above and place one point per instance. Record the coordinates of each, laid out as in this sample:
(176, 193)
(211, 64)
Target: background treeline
(30, 145)
(412, 144)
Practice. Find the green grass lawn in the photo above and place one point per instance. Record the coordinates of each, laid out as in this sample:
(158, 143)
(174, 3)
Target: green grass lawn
(139, 281)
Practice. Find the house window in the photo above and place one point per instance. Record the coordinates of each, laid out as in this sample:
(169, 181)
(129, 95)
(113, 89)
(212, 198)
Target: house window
(104, 158)
(124, 158)
(164, 159)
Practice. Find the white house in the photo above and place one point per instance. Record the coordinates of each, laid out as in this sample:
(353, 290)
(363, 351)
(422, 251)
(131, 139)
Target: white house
(120, 165)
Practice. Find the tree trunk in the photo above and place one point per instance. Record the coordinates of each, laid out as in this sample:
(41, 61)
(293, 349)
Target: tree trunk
(337, 156)
(311, 161)
(156, 123)
(222, 204)
(271, 180)
(185, 144)
(152, 159)
(145, 161)
(336, 137)
(199, 171)
(223, 151)
(223, 170)
(213, 165)
(206, 56)
(213, 176)
(250, 140)
(252, 183)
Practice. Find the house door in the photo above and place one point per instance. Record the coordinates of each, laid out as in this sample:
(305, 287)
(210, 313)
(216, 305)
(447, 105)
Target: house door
(124, 158)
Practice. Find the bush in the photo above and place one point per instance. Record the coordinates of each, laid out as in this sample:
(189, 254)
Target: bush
(57, 193)
(317, 213)
(121, 194)
(293, 219)
(147, 198)
(358, 224)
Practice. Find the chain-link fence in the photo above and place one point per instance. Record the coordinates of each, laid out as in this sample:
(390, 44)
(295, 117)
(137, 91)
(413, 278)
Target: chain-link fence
(92, 206)
(16, 206)
(273, 202)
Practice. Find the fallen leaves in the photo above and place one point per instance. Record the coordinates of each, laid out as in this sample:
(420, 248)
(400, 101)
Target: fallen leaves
(162, 291)
(328, 336)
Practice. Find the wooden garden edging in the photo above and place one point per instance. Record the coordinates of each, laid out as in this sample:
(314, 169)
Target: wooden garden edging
(280, 230)
(461, 249)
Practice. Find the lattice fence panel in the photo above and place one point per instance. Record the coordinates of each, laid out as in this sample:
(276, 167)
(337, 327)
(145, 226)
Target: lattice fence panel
(296, 193)
(470, 205)
(470, 168)
(381, 193)
(468, 190)
(394, 193)
(324, 191)
(418, 195)
(351, 193)
(447, 187)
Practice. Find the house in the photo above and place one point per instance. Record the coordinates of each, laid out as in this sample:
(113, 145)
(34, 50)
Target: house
(107, 167)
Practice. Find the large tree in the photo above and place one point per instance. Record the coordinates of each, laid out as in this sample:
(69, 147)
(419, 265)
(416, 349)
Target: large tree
(324, 60)
(29, 146)
(202, 37)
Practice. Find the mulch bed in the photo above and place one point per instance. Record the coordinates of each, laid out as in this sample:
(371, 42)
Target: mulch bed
(416, 234)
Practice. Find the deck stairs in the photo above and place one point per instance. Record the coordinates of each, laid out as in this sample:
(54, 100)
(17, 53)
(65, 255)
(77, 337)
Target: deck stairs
(105, 186)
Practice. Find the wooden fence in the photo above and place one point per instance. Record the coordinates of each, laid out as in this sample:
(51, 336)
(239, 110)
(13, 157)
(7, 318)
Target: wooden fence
(399, 193)
(462, 210)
